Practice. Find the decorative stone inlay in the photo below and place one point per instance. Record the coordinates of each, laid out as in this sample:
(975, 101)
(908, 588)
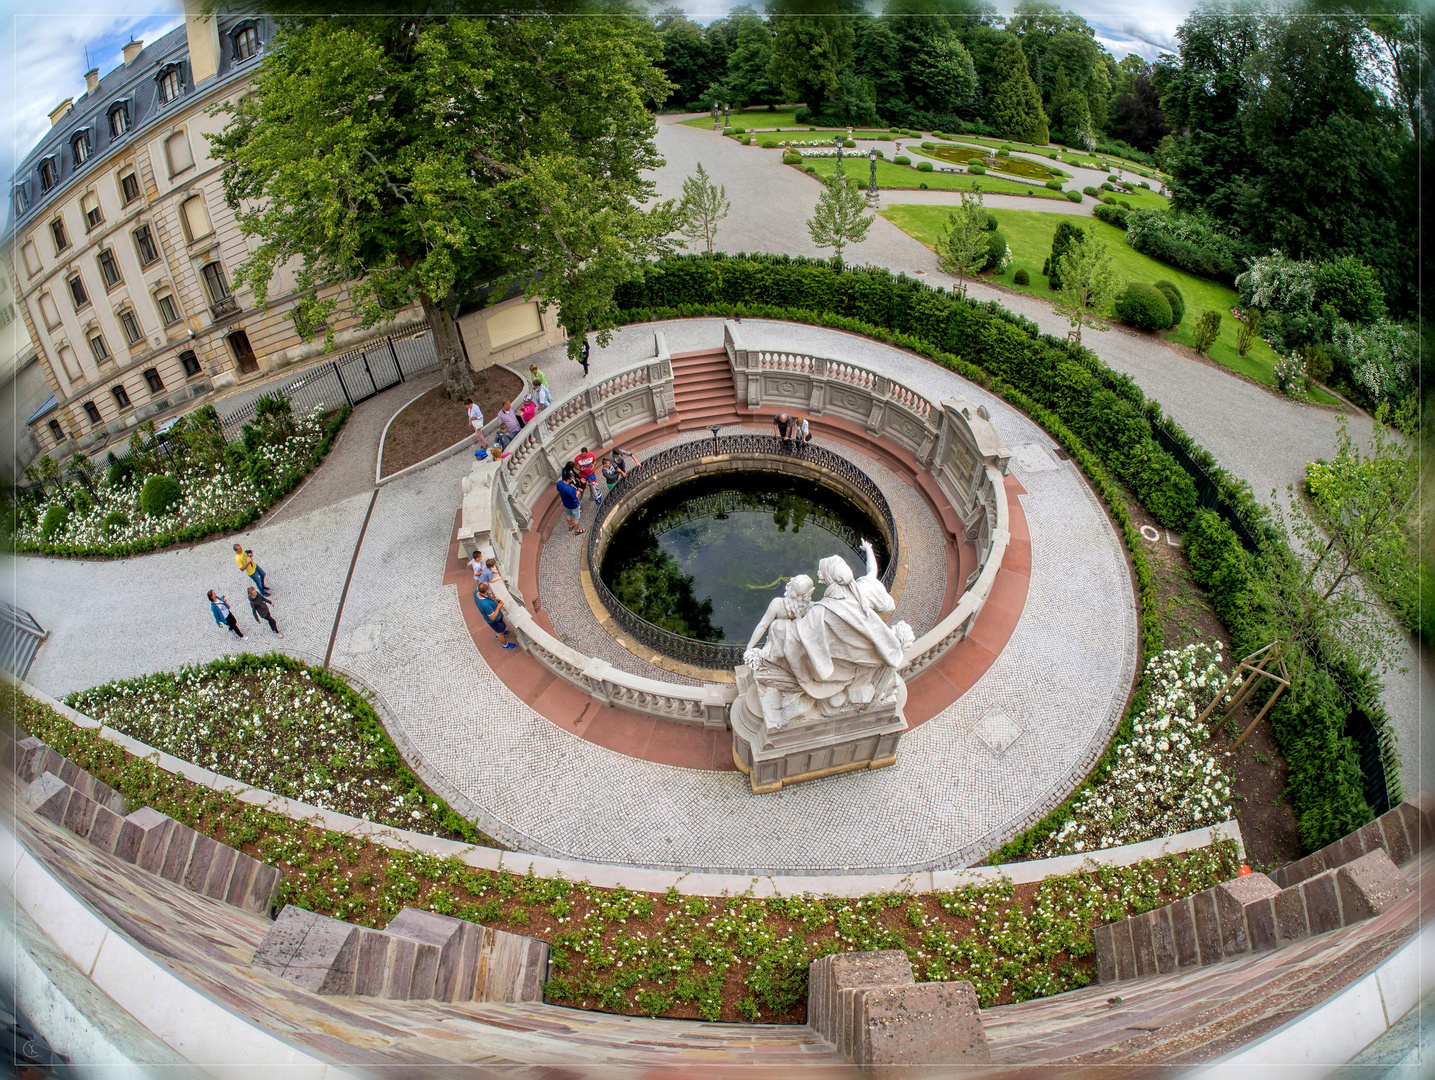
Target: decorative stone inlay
(998, 731)
(1031, 457)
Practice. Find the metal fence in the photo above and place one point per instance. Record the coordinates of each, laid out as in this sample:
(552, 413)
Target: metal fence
(1207, 493)
(711, 654)
(20, 638)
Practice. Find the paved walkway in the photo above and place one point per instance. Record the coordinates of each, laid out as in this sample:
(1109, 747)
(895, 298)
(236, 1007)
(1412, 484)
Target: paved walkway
(1261, 438)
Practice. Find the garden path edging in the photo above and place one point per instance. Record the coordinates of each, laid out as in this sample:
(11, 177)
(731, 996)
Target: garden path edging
(633, 877)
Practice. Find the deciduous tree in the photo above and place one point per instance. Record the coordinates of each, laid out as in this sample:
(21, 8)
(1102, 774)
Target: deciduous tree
(840, 218)
(962, 247)
(1088, 284)
(704, 205)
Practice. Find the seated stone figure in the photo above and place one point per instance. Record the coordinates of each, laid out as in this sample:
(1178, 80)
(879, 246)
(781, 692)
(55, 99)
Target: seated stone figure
(831, 656)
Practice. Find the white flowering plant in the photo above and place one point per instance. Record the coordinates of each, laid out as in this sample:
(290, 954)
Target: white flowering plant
(277, 724)
(1165, 779)
(1292, 376)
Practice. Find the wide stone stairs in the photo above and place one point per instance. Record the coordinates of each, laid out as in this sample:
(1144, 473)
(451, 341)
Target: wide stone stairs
(703, 390)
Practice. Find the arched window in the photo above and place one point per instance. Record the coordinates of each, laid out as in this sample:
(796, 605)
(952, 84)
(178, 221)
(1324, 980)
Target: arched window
(169, 84)
(119, 118)
(246, 42)
(49, 174)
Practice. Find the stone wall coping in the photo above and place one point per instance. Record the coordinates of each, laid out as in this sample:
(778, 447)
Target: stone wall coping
(644, 879)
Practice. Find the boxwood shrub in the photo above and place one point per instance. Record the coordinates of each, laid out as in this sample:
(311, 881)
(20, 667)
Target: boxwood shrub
(1103, 418)
(1093, 192)
(1074, 195)
(924, 166)
(1021, 277)
(791, 157)
(1143, 307)
(1112, 215)
(159, 495)
(902, 159)
(976, 170)
(1175, 299)
(54, 520)
(1055, 185)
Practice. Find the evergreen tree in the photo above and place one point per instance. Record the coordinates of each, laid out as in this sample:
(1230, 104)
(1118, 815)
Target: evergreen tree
(1013, 106)
(687, 57)
(747, 81)
(839, 217)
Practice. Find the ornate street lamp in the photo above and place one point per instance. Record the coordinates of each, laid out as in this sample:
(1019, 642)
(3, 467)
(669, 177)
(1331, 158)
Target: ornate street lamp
(872, 177)
(838, 142)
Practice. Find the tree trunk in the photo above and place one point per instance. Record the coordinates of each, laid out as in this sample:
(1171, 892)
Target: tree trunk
(457, 375)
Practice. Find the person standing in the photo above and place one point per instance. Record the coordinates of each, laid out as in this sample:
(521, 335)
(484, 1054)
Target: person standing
(491, 608)
(804, 432)
(244, 559)
(259, 607)
(782, 427)
(587, 465)
(538, 378)
(616, 459)
(488, 573)
(572, 506)
(223, 617)
(541, 396)
(475, 421)
(529, 410)
(508, 424)
(612, 473)
(583, 356)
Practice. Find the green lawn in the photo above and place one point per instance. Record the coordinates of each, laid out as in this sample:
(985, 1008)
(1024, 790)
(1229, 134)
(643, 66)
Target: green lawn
(891, 175)
(1029, 233)
(1141, 199)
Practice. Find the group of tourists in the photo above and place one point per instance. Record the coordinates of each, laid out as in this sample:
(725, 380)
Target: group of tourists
(795, 434)
(512, 418)
(260, 596)
(580, 477)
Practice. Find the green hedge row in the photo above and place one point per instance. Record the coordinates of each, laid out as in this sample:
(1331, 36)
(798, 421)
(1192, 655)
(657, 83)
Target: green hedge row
(199, 531)
(1077, 397)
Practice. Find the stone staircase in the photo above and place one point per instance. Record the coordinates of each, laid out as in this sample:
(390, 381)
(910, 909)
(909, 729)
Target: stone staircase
(703, 390)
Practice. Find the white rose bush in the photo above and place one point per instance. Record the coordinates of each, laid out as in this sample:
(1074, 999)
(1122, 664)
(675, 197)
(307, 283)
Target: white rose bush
(1165, 780)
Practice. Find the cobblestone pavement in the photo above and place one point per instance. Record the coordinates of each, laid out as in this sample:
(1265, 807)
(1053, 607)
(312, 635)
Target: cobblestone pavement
(1258, 436)
(948, 800)
(920, 536)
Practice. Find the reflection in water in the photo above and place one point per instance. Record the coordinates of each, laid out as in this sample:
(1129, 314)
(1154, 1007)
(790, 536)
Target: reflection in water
(704, 558)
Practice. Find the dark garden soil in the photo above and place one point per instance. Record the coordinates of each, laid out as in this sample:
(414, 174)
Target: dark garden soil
(1257, 770)
(433, 422)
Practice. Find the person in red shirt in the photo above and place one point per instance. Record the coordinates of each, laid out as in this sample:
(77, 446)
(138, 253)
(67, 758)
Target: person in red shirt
(587, 465)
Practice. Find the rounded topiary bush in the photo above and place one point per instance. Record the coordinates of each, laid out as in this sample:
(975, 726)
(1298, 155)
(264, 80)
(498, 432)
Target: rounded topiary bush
(976, 170)
(848, 144)
(1005, 151)
(114, 520)
(739, 131)
(1055, 185)
(1145, 185)
(768, 144)
(810, 169)
(902, 159)
(1143, 307)
(160, 495)
(1074, 195)
(924, 166)
(923, 185)
(791, 158)
(119, 474)
(1175, 299)
(1093, 192)
(1022, 277)
(54, 521)
(1113, 179)
(996, 250)
(928, 145)
(991, 221)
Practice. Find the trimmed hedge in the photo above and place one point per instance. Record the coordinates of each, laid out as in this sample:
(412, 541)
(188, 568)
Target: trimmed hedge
(1143, 307)
(1174, 298)
(1112, 215)
(1074, 195)
(1106, 422)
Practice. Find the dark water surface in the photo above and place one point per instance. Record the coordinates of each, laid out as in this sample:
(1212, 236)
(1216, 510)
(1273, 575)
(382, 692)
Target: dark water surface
(704, 558)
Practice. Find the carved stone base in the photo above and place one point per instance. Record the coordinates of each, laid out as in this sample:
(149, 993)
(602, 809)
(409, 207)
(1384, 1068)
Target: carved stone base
(856, 739)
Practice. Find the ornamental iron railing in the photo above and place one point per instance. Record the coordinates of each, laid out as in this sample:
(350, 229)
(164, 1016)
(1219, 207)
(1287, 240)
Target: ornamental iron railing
(712, 654)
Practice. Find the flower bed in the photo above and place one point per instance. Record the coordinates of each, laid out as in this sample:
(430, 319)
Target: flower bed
(1165, 781)
(280, 725)
(721, 958)
(222, 489)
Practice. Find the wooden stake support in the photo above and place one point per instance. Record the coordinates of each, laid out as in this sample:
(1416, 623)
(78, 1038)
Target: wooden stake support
(1256, 668)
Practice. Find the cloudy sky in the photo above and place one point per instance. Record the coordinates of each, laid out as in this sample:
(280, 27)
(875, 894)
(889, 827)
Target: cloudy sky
(43, 47)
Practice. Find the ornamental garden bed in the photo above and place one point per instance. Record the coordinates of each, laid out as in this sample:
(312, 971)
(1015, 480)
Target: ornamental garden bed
(719, 958)
(433, 423)
(277, 724)
(179, 488)
(892, 176)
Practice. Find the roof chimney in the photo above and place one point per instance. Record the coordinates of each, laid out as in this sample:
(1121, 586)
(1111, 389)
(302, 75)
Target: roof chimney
(60, 110)
(202, 32)
(133, 49)
(92, 80)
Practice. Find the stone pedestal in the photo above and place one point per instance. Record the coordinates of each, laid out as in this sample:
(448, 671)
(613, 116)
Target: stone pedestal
(863, 738)
(476, 523)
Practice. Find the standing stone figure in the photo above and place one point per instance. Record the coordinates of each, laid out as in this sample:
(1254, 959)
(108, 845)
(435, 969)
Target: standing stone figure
(833, 656)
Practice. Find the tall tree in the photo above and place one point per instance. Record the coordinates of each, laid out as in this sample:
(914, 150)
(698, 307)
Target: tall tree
(1137, 117)
(934, 73)
(962, 248)
(812, 48)
(419, 157)
(704, 205)
(688, 59)
(747, 81)
(839, 218)
(1013, 106)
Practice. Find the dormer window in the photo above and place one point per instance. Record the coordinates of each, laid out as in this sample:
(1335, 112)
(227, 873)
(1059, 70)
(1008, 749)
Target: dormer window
(246, 42)
(22, 198)
(119, 118)
(169, 84)
(49, 174)
(81, 148)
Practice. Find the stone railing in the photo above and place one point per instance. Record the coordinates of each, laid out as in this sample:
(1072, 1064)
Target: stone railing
(952, 441)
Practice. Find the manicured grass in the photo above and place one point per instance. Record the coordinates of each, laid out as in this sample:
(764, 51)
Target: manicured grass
(751, 118)
(1141, 199)
(1029, 233)
(891, 175)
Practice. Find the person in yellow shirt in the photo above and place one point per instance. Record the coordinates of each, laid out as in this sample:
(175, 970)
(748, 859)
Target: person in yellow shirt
(244, 558)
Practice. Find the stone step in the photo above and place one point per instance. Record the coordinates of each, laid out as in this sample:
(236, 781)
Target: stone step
(1402, 833)
(32, 758)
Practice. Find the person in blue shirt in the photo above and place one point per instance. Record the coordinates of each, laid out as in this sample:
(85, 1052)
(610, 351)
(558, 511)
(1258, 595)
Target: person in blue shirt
(572, 507)
(223, 617)
(491, 608)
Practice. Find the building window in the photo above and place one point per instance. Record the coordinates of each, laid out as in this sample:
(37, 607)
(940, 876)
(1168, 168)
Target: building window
(7, 315)
(32, 259)
(145, 245)
(109, 269)
(90, 204)
(243, 352)
(49, 312)
(131, 326)
(122, 399)
(93, 413)
(196, 218)
(77, 292)
(49, 175)
(177, 153)
(168, 309)
(246, 43)
(214, 282)
(57, 431)
(119, 120)
(190, 363)
(129, 187)
(169, 85)
(58, 234)
(22, 199)
(81, 147)
(97, 346)
(153, 381)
